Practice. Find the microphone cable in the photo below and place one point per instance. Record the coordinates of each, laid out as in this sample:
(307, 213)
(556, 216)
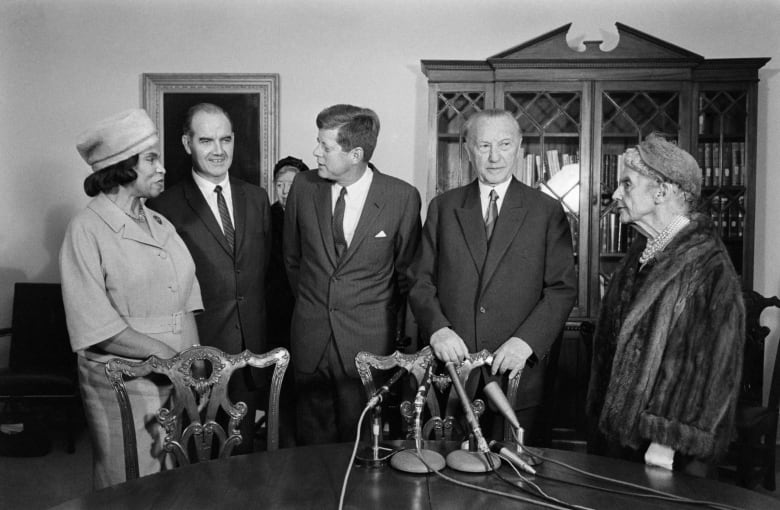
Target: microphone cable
(494, 492)
(648, 493)
(352, 457)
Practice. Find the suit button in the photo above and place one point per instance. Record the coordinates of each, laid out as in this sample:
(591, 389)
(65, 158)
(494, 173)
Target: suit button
(237, 326)
(481, 309)
(240, 298)
(163, 255)
(173, 287)
(238, 271)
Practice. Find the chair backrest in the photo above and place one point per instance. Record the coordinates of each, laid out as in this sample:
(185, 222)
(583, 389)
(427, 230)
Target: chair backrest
(753, 363)
(442, 404)
(40, 340)
(191, 423)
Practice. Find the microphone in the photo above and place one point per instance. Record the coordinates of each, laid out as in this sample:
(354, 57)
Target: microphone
(376, 398)
(370, 456)
(497, 397)
(407, 460)
(464, 460)
(482, 445)
(515, 459)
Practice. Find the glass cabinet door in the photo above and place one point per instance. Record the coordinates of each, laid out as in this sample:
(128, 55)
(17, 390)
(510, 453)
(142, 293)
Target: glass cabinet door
(722, 155)
(454, 105)
(551, 120)
(625, 114)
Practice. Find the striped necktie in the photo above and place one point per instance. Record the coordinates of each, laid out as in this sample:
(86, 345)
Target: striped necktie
(492, 214)
(224, 214)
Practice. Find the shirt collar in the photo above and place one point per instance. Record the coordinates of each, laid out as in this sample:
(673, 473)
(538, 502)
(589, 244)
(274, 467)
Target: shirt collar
(207, 187)
(359, 187)
(501, 189)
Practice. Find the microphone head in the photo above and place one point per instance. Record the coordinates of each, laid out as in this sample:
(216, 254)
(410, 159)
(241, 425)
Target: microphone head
(497, 397)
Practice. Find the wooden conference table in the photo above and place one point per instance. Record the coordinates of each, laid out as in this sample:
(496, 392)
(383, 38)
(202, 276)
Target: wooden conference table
(312, 477)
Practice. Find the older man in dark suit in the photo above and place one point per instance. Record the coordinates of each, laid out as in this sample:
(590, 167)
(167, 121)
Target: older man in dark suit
(350, 235)
(495, 269)
(226, 224)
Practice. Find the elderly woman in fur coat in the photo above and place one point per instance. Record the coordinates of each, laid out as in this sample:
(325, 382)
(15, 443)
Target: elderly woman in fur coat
(667, 352)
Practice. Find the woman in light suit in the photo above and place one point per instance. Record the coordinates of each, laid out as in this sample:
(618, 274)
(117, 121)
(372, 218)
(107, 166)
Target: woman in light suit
(129, 287)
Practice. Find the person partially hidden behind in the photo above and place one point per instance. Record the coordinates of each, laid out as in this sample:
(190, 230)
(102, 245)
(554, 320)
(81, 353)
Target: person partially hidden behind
(226, 224)
(667, 351)
(495, 269)
(350, 233)
(279, 297)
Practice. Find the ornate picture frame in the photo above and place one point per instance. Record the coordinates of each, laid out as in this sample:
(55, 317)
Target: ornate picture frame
(251, 101)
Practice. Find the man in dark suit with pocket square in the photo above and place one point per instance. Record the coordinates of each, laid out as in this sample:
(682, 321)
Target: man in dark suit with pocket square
(350, 235)
(226, 225)
(495, 269)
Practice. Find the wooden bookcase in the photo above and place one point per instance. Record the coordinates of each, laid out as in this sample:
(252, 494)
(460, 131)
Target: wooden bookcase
(592, 105)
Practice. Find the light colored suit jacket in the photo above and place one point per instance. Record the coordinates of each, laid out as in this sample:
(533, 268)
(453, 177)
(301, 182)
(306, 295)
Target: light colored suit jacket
(523, 284)
(354, 300)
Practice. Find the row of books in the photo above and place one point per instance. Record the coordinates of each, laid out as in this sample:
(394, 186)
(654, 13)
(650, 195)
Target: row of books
(533, 168)
(615, 236)
(611, 166)
(729, 218)
(722, 165)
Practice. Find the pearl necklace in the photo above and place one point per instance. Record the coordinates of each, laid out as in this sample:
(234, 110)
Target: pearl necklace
(141, 218)
(660, 242)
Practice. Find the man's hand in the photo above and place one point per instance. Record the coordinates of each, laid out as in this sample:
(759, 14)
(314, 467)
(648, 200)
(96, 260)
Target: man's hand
(511, 356)
(448, 346)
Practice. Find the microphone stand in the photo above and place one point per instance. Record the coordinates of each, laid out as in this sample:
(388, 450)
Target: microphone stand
(369, 456)
(480, 461)
(409, 461)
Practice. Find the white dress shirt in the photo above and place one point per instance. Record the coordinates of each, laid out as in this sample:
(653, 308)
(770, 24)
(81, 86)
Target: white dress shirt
(206, 187)
(353, 201)
(484, 195)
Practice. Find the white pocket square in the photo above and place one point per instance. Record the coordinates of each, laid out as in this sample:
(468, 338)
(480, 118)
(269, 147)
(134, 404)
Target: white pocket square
(381, 234)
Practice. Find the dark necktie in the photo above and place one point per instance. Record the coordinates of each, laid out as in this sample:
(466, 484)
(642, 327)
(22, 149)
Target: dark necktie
(224, 214)
(492, 214)
(338, 224)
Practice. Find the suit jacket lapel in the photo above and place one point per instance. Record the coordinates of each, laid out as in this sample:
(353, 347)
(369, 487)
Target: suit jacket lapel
(509, 221)
(198, 204)
(324, 211)
(371, 209)
(240, 212)
(472, 225)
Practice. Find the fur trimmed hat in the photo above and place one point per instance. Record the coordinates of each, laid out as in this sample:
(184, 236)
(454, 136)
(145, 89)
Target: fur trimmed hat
(671, 162)
(117, 138)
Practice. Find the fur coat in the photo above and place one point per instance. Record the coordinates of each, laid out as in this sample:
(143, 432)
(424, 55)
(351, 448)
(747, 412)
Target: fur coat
(667, 357)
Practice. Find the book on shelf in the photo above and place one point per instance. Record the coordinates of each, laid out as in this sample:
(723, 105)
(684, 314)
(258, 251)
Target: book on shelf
(716, 175)
(726, 167)
(707, 164)
(736, 170)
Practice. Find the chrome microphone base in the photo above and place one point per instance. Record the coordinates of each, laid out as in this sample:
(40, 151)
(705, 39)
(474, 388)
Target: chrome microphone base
(408, 461)
(472, 462)
(373, 457)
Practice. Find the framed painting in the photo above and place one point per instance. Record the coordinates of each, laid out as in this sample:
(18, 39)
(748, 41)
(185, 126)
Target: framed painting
(250, 100)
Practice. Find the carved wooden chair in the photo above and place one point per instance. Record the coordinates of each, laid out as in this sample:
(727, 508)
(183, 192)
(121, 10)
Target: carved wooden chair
(754, 448)
(440, 419)
(200, 378)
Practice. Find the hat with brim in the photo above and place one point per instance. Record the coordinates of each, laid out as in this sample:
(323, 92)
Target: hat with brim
(117, 138)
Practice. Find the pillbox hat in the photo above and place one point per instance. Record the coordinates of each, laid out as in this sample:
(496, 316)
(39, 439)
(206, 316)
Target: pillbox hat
(117, 138)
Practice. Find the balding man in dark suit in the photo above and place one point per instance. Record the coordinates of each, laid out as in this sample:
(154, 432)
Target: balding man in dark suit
(349, 238)
(495, 269)
(226, 225)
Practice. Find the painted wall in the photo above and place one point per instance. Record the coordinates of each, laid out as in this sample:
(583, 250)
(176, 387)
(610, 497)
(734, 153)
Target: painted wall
(67, 63)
